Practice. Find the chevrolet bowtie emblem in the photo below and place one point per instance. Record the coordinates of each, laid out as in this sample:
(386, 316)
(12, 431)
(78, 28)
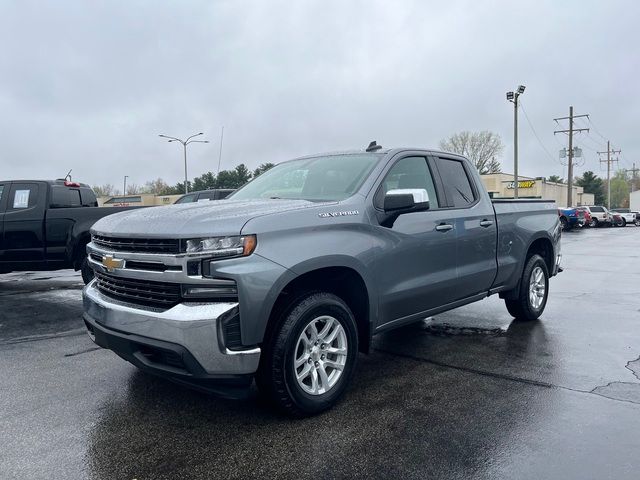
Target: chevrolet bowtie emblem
(111, 263)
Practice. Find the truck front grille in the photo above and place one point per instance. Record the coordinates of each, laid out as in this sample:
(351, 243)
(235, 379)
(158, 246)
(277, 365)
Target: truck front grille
(140, 292)
(138, 245)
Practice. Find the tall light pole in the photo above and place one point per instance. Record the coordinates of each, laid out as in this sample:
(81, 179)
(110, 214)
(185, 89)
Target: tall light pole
(513, 98)
(124, 186)
(184, 146)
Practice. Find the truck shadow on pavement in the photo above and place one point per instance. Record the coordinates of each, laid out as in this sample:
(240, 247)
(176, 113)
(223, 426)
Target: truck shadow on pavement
(426, 413)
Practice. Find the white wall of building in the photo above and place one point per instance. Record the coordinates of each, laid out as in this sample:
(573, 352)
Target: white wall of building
(634, 201)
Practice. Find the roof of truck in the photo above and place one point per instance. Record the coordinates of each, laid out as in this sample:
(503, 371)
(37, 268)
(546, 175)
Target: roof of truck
(59, 181)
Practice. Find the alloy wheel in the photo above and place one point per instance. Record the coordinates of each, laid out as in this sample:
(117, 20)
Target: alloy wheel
(537, 287)
(320, 355)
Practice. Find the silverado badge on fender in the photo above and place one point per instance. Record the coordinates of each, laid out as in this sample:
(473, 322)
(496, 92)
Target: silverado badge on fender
(111, 263)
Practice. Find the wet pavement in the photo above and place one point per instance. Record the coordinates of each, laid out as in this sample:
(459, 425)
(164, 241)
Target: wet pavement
(467, 394)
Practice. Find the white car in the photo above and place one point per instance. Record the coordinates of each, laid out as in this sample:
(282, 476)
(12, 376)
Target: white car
(600, 216)
(627, 216)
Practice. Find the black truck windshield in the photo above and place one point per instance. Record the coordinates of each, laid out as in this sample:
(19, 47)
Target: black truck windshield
(329, 178)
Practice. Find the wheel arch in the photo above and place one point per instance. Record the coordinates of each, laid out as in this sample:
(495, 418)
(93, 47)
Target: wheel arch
(342, 280)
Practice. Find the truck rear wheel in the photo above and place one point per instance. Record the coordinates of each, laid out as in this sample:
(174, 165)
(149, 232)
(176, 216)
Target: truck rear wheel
(307, 362)
(534, 291)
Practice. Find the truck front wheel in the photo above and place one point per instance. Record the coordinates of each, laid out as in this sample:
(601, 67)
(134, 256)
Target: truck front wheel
(308, 360)
(86, 270)
(534, 291)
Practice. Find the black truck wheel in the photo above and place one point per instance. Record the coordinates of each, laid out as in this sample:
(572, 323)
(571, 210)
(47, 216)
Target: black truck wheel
(534, 291)
(309, 357)
(86, 271)
(564, 223)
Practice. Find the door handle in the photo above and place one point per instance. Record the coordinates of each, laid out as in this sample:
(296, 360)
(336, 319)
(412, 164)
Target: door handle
(486, 223)
(444, 227)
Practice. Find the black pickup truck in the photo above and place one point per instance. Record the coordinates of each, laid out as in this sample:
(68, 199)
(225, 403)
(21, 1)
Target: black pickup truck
(44, 225)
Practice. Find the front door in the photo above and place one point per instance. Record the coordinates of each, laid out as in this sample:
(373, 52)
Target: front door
(418, 269)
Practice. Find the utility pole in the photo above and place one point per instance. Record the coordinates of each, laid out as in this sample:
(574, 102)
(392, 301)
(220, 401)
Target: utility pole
(570, 131)
(633, 171)
(609, 161)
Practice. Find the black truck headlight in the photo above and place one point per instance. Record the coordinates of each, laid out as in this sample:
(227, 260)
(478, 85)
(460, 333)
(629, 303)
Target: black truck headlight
(222, 247)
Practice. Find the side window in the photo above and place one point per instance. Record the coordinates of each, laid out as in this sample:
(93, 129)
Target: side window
(187, 199)
(456, 182)
(207, 196)
(65, 197)
(88, 198)
(1, 190)
(409, 172)
(23, 196)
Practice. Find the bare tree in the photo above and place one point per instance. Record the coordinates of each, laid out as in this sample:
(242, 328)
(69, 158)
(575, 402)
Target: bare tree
(133, 189)
(157, 187)
(105, 190)
(481, 148)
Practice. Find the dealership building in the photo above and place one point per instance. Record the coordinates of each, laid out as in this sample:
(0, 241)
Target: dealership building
(139, 200)
(500, 185)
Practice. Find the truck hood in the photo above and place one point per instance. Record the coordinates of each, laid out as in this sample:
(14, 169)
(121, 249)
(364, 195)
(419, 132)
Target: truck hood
(212, 218)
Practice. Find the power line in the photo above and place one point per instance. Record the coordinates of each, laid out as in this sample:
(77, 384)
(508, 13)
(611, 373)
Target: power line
(535, 133)
(596, 130)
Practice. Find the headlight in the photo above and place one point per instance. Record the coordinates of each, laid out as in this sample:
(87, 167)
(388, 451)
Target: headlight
(236, 246)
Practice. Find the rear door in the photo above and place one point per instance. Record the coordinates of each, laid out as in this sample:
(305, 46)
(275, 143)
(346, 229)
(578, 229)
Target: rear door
(24, 223)
(474, 219)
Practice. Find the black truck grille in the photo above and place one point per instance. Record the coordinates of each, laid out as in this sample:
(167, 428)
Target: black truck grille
(140, 292)
(138, 245)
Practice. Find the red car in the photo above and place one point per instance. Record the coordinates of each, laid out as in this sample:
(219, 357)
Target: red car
(616, 220)
(587, 215)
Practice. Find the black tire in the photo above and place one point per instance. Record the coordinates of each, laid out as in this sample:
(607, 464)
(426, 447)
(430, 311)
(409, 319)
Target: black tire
(276, 377)
(594, 223)
(86, 271)
(521, 308)
(624, 222)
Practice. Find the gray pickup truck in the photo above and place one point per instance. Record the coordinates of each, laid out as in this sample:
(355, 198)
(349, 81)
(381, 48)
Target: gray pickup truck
(291, 276)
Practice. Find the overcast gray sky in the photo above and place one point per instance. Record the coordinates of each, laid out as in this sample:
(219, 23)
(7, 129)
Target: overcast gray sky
(90, 85)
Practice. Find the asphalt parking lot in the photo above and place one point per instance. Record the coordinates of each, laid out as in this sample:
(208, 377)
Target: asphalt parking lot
(468, 394)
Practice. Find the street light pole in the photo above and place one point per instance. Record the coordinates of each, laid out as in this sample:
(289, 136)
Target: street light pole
(184, 146)
(513, 97)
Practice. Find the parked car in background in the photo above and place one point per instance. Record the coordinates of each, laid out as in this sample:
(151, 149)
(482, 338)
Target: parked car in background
(205, 195)
(587, 215)
(571, 218)
(616, 219)
(44, 225)
(637, 219)
(600, 216)
(627, 216)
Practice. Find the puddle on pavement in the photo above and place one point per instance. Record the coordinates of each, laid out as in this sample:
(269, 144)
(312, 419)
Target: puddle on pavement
(438, 328)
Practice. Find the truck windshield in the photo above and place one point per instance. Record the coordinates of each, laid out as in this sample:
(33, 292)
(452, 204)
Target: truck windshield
(329, 178)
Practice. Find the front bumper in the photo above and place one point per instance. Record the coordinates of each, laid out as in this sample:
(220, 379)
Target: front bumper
(183, 342)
